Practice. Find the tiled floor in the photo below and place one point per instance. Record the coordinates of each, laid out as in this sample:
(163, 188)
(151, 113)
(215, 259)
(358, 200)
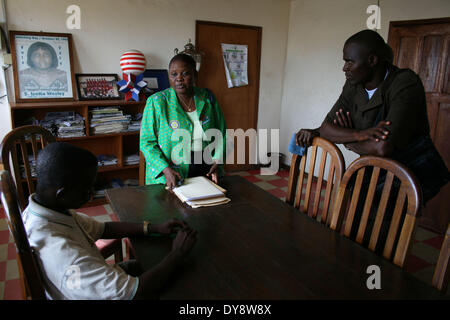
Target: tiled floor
(421, 261)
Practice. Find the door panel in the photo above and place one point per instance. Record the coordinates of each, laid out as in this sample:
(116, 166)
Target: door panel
(430, 61)
(423, 46)
(239, 104)
(407, 46)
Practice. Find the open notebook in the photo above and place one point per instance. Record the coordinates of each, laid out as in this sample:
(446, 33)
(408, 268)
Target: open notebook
(201, 192)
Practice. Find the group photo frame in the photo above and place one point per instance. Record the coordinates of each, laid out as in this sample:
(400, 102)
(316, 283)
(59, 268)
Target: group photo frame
(43, 66)
(97, 86)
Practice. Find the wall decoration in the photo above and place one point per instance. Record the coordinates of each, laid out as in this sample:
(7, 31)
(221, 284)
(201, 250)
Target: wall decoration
(97, 86)
(133, 64)
(235, 59)
(43, 66)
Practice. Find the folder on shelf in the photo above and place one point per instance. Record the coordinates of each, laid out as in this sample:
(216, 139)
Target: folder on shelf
(200, 192)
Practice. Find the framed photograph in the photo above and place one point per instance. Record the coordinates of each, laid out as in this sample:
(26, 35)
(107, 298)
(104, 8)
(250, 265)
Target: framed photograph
(97, 86)
(43, 66)
(157, 80)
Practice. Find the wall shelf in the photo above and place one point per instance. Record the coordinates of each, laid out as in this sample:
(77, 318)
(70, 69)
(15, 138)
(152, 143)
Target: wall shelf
(119, 144)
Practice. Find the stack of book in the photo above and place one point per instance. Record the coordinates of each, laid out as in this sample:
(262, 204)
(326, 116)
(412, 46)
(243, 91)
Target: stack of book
(108, 120)
(131, 183)
(106, 160)
(201, 192)
(131, 159)
(135, 123)
(66, 124)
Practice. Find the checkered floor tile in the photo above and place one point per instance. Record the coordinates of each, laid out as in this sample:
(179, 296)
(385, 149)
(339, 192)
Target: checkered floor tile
(420, 262)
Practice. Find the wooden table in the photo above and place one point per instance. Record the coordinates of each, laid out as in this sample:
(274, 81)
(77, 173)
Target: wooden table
(258, 247)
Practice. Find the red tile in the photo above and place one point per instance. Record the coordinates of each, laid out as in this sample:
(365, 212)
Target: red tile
(12, 251)
(252, 179)
(114, 217)
(277, 193)
(414, 264)
(283, 173)
(93, 211)
(254, 172)
(2, 270)
(435, 242)
(4, 236)
(13, 290)
(280, 183)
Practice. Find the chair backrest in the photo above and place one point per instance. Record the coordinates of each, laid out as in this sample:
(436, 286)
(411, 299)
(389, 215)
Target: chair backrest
(30, 275)
(16, 147)
(441, 275)
(332, 156)
(399, 235)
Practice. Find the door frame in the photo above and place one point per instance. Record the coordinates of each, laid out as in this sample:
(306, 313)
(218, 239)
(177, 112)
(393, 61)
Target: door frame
(258, 62)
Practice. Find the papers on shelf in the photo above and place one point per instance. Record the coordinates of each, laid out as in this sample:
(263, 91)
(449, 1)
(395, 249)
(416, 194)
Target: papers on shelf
(201, 192)
(108, 120)
(131, 159)
(65, 124)
(106, 160)
(112, 120)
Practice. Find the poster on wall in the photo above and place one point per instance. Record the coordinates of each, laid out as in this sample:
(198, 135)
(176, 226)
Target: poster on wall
(43, 66)
(235, 58)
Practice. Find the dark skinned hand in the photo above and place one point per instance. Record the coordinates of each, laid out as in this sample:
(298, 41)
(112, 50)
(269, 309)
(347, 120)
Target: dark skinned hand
(343, 119)
(170, 226)
(377, 133)
(213, 173)
(171, 177)
(305, 137)
(184, 241)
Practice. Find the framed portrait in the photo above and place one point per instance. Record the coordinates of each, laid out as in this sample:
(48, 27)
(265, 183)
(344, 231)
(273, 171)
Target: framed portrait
(97, 86)
(43, 66)
(157, 80)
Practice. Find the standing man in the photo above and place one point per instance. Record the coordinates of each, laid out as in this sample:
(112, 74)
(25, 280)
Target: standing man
(382, 112)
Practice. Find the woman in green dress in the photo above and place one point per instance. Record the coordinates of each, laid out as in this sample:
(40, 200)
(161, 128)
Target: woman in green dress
(182, 106)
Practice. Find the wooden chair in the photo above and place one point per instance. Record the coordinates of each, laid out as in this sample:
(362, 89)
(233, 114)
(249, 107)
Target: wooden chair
(298, 172)
(398, 233)
(20, 138)
(441, 275)
(30, 274)
(15, 148)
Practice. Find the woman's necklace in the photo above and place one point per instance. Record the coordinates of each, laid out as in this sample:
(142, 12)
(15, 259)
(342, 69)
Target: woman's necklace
(188, 107)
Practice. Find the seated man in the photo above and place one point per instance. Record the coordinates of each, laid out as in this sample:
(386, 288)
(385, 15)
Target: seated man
(64, 240)
(382, 112)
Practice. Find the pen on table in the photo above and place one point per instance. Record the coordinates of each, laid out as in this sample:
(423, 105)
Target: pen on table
(180, 182)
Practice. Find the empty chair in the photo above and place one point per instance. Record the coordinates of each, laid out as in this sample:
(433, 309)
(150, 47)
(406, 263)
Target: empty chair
(30, 274)
(398, 225)
(332, 158)
(442, 272)
(19, 151)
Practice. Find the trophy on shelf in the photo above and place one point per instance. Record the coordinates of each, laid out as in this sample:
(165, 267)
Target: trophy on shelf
(133, 64)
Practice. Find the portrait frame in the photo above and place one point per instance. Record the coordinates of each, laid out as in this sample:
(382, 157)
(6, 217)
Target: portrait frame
(157, 80)
(53, 79)
(96, 89)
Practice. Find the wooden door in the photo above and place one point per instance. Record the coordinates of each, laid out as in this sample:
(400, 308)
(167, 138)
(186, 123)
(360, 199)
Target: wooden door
(423, 46)
(239, 104)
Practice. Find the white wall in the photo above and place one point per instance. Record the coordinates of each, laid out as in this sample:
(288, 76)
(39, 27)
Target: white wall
(317, 31)
(5, 115)
(156, 27)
